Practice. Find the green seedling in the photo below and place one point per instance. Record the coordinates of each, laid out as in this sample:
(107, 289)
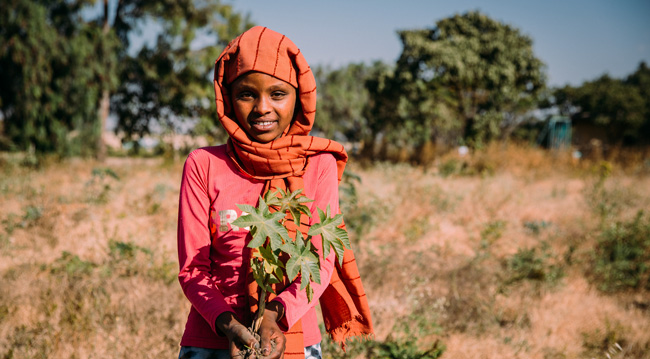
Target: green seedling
(276, 254)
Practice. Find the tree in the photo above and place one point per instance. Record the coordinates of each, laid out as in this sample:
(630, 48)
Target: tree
(60, 69)
(469, 76)
(53, 70)
(165, 86)
(342, 97)
(618, 106)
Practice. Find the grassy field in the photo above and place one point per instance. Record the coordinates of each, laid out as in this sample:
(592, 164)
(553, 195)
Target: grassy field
(508, 253)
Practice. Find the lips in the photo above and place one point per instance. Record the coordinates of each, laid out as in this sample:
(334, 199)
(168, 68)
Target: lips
(263, 125)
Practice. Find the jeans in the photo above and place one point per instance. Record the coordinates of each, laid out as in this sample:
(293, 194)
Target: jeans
(311, 352)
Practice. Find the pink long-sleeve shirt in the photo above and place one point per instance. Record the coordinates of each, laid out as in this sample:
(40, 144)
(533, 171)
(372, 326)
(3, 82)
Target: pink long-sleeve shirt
(212, 265)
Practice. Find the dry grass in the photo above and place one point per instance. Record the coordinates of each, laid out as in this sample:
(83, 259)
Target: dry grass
(87, 260)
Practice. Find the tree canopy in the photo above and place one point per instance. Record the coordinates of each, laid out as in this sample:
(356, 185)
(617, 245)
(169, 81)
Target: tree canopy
(54, 67)
(618, 105)
(468, 79)
(62, 63)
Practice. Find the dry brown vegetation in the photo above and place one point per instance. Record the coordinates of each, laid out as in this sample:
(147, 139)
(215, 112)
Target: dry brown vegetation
(489, 256)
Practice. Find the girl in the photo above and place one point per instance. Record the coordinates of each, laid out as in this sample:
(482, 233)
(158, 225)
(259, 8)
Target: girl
(266, 101)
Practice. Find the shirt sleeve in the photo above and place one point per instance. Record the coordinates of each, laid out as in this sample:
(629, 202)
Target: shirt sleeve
(292, 298)
(194, 241)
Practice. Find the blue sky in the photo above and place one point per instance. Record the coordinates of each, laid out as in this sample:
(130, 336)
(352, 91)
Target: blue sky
(577, 40)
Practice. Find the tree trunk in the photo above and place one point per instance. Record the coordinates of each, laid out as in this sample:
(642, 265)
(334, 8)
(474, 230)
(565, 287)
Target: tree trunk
(104, 104)
(104, 107)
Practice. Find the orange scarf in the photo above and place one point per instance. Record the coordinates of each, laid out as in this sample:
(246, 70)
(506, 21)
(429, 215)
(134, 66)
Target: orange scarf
(283, 162)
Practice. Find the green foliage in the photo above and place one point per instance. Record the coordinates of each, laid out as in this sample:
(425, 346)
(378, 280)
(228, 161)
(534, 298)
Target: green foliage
(292, 202)
(263, 224)
(492, 232)
(154, 199)
(470, 78)
(401, 343)
(54, 67)
(342, 97)
(618, 106)
(332, 235)
(72, 265)
(534, 264)
(272, 242)
(450, 167)
(621, 259)
(61, 67)
(99, 186)
(604, 200)
(348, 195)
(303, 261)
(163, 85)
(406, 349)
(29, 219)
(536, 227)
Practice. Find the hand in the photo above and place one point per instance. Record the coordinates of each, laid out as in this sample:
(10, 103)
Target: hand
(270, 331)
(238, 335)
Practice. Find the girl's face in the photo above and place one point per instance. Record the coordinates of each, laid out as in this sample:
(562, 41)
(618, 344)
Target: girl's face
(263, 105)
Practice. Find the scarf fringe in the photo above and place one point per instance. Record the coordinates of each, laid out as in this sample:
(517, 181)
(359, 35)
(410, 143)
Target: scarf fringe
(353, 329)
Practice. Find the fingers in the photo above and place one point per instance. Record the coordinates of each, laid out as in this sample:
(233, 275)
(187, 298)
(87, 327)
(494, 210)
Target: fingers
(272, 340)
(246, 337)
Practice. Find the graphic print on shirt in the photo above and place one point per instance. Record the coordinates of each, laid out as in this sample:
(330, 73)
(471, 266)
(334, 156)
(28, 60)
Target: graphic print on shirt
(224, 220)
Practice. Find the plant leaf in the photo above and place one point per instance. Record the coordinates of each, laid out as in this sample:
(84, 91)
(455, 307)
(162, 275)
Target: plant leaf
(263, 224)
(304, 262)
(331, 235)
(295, 204)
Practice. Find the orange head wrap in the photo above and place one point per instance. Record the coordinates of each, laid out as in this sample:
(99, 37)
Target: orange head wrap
(263, 50)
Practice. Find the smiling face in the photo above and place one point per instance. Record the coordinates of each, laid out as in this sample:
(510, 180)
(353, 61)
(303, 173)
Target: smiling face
(263, 105)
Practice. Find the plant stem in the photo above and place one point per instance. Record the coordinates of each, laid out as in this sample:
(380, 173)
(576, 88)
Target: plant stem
(260, 311)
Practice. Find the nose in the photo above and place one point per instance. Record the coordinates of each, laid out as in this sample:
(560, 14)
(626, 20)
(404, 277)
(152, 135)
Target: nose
(263, 105)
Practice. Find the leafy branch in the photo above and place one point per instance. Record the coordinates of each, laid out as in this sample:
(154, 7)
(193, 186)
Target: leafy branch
(272, 243)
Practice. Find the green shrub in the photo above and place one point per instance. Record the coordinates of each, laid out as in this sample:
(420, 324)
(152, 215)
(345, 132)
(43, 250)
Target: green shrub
(492, 232)
(405, 349)
(621, 258)
(72, 265)
(536, 227)
(532, 264)
(99, 185)
(450, 167)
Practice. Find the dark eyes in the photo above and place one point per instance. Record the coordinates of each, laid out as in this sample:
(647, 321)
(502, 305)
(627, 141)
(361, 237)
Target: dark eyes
(248, 95)
(278, 94)
(245, 95)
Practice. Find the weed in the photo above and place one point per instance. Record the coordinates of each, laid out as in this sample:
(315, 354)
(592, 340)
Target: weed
(402, 344)
(607, 202)
(604, 343)
(466, 311)
(532, 264)
(621, 259)
(492, 232)
(416, 228)
(362, 218)
(348, 196)
(450, 167)
(156, 198)
(31, 216)
(536, 227)
(72, 265)
(479, 166)
(405, 349)
(29, 219)
(29, 342)
(99, 185)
